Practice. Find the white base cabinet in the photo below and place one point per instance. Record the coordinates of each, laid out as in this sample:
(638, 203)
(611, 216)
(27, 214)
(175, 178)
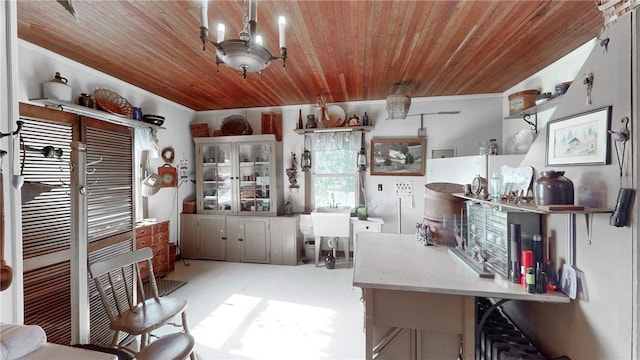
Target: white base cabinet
(269, 240)
(203, 237)
(248, 239)
(286, 240)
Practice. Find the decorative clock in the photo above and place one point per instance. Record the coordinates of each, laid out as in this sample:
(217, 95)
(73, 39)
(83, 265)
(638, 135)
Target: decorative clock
(478, 184)
(168, 176)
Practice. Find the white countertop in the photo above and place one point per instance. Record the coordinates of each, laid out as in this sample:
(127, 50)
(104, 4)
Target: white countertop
(399, 262)
(369, 220)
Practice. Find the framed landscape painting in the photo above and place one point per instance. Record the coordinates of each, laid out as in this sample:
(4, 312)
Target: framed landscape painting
(398, 156)
(581, 139)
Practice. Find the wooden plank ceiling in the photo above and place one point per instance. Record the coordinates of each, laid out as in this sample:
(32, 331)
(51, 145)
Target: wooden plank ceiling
(351, 50)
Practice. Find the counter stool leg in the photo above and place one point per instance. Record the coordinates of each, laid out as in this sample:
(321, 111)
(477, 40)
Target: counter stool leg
(318, 245)
(346, 252)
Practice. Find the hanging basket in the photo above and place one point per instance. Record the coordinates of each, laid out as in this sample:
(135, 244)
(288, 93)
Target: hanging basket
(398, 106)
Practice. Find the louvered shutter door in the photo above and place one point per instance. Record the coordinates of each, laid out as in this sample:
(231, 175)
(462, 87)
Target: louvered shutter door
(46, 229)
(46, 219)
(109, 206)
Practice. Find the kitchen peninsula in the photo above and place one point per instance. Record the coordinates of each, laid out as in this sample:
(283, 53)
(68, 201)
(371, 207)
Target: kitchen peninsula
(427, 291)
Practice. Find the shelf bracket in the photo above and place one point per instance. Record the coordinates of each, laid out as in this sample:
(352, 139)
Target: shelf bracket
(589, 220)
(533, 124)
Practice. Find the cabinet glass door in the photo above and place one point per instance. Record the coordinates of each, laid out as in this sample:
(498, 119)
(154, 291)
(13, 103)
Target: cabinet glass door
(216, 177)
(254, 177)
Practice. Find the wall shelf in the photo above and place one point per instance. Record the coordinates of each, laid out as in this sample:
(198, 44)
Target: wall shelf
(533, 208)
(335, 129)
(552, 102)
(97, 114)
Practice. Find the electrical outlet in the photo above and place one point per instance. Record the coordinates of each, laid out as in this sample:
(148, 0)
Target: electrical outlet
(379, 187)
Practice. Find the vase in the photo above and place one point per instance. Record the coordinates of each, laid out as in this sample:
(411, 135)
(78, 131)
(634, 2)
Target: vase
(85, 100)
(362, 213)
(311, 122)
(553, 188)
(330, 261)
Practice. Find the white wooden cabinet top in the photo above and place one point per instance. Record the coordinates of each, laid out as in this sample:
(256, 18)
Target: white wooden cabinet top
(399, 262)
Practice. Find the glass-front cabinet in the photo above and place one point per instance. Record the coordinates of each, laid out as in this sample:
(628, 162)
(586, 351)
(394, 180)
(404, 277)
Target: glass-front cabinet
(237, 175)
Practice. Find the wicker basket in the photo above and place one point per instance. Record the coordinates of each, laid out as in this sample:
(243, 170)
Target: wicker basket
(110, 101)
(235, 125)
(199, 130)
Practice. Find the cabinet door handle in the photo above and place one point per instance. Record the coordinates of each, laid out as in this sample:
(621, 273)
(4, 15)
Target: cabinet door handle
(240, 239)
(224, 238)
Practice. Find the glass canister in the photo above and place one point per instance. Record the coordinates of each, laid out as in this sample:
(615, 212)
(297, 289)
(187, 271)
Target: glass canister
(553, 188)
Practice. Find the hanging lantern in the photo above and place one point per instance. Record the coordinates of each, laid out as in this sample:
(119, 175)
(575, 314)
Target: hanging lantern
(306, 157)
(306, 160)
(362, 155)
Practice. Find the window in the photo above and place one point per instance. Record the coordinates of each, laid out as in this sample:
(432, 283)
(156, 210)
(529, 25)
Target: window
(335, 180)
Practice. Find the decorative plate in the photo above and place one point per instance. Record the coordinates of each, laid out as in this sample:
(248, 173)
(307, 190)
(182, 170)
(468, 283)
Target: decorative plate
(112, 102)
(337, 116)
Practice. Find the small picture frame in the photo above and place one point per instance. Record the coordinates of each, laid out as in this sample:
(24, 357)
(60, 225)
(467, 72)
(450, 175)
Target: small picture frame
(438, 153)
(581, 139)
(398, 156)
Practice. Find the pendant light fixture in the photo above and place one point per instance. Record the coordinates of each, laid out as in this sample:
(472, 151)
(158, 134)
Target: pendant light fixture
(362, 155)
(247, 53)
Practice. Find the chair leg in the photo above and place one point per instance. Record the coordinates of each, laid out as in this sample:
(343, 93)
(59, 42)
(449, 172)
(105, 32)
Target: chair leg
(185, 327)
(144, 341)
(185, 324)
(115, 342)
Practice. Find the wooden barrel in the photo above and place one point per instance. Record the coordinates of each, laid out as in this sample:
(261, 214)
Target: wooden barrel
(442, 211)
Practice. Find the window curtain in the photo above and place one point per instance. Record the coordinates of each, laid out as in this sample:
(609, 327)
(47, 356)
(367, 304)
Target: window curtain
(328, 141)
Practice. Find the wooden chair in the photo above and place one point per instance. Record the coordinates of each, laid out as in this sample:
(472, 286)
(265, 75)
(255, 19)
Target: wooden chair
(114, 280)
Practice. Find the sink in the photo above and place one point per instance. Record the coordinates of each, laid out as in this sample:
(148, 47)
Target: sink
(330, 221)
(329, 209)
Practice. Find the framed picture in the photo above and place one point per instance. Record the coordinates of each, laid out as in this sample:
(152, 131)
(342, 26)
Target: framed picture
(437, 153)
(398, 156)
(581, 139)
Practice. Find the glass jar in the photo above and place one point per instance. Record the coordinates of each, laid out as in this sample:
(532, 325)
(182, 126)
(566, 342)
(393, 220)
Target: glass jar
(553, 188)
(85, 100)
(492, 148)
(495, 186)
(482, 148)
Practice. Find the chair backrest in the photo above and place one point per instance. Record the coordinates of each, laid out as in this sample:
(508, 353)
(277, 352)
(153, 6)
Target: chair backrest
(114, 279)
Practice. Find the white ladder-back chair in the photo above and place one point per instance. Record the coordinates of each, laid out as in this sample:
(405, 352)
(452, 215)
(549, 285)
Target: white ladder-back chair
(139, 316)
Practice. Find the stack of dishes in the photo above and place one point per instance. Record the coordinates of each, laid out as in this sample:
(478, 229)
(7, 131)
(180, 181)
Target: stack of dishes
(153, 119)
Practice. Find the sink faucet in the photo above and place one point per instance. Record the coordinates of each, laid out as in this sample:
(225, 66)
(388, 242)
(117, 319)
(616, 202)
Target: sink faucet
(333, 202)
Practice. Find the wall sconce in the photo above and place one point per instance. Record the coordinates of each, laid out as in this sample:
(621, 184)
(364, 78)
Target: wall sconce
(362, 155)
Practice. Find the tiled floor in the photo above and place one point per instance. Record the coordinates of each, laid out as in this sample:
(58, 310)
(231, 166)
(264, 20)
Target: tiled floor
(256, 311)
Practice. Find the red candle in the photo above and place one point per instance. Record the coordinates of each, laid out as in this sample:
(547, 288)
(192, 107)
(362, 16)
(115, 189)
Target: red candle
(527, 262)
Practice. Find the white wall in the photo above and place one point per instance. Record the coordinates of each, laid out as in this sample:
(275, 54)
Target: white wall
(565, 69)
(598, 324)
(479, 120)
